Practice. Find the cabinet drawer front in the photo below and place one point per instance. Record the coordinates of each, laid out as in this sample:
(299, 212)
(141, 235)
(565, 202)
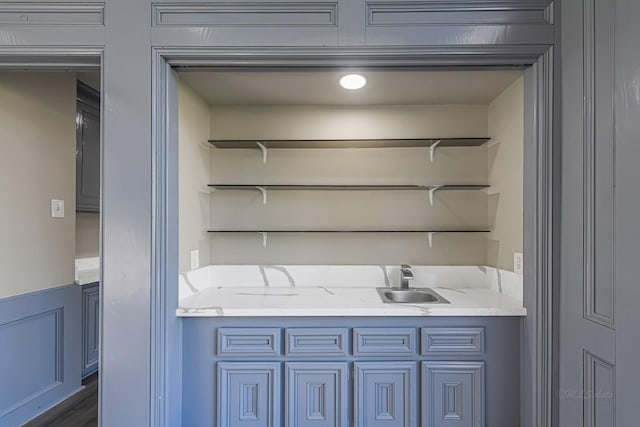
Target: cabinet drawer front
(309, 342)
(452, 340)
(384, 341)
(248, 342)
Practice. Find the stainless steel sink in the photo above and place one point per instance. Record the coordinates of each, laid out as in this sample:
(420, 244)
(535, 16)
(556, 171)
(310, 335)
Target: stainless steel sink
(411, 295)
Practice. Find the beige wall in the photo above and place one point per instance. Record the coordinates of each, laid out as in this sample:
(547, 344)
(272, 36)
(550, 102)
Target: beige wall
(193, 123)
(505, 165)
(37, 164)
(348, 209)
(87, 235)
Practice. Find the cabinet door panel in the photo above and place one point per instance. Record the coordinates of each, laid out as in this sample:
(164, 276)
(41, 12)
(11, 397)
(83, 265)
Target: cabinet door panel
(385, 394)
(249, 394)
(87, 150)
(453, 394)
(317, 394)
(90, 328)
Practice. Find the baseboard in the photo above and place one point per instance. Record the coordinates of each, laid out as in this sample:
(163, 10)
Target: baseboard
(42, 362)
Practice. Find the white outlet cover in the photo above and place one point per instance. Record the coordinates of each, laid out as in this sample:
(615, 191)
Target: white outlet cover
(57, 208)
(195, 259)
(517, 262)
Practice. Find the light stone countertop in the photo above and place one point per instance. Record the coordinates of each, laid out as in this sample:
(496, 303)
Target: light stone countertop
(341, 301)
(87, 270)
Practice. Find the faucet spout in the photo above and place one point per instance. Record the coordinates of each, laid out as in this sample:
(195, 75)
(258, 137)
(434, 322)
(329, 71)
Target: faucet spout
(405, 276)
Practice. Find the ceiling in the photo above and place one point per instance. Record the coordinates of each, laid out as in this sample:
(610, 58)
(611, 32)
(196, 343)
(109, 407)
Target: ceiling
(321, 87)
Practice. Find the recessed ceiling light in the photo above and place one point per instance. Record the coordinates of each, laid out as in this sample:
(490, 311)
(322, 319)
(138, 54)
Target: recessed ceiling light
(353, 81)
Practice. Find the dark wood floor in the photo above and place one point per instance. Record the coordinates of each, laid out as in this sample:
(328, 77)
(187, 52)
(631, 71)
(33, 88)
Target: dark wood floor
(80, 410)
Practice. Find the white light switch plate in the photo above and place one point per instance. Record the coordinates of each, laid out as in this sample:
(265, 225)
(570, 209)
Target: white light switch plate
(195, 259)
(517, 262)
(57, 208)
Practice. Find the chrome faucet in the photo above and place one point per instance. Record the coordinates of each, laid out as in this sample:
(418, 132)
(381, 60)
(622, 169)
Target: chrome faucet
(405, 276)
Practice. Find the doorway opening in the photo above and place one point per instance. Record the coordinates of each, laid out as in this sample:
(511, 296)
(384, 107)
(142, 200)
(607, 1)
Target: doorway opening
(291, 185)
(50, 140)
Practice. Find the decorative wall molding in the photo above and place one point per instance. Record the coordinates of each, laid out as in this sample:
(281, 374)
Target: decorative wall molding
(43, 326)
(598, 394)
(39, 351)
(52, 13)
(599, 289)
(438, 12)
(238, 14)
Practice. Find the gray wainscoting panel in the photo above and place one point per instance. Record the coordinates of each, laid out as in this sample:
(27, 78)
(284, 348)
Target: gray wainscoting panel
(52, 13)
(246, 14)
(40, 347)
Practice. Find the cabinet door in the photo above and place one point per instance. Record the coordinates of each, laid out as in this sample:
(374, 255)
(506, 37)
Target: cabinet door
(317, 394)
(453, 394)
(385, 394)
(249, 394)
(87, 150)
(90, 328)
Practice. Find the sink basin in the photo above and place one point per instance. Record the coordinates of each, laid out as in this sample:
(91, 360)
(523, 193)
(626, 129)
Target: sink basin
(411, 296)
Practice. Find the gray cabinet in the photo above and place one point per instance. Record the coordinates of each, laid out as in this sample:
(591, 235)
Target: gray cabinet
(249, 394)
(90, 328)
(374, 372)
(87, 149)
(316, 394)
(453, 394)
(385, 394)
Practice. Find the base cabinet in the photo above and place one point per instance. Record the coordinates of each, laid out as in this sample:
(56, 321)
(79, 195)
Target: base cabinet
(90, 328)
(453, 394)
(369, 373)
(385, 394)
(316, 394)
(249, 394)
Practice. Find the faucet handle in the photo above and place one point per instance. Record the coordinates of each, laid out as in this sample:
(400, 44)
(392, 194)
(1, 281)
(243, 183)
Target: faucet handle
(405, 266)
